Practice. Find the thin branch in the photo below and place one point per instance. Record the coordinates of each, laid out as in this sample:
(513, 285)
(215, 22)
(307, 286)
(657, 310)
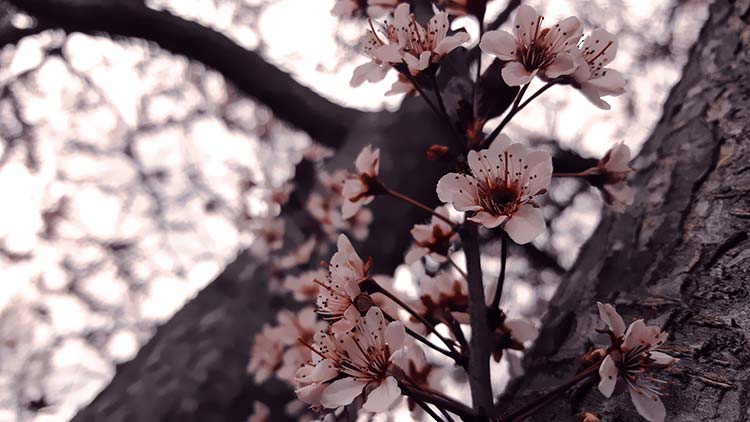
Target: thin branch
(420, 205)
(479, 358)
(415, 314)
(501, 277)
(421, 338)
(441, 401)
(537, 404)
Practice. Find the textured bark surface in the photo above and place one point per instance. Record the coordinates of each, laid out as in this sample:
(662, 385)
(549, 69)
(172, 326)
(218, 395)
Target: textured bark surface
(680, 256)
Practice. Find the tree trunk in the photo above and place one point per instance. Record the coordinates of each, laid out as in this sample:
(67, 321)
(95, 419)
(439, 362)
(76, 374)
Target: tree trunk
(680, 256)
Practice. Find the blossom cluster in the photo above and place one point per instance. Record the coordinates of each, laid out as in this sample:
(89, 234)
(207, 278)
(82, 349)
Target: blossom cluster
(365, 344)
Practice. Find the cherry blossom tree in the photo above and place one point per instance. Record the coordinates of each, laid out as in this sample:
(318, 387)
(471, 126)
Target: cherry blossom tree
(369, 346)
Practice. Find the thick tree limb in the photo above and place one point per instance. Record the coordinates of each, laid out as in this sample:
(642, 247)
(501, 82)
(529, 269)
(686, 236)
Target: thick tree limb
(298, 105)
(679, 256)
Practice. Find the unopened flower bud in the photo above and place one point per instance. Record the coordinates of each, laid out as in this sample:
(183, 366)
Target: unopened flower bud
(590, 417)
(363, 302)
(436, 152)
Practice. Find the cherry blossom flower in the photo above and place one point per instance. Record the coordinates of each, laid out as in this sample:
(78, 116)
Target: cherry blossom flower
(367, 364)
(591, 76)
(406, 42)
(326, 208)
(501, 187)
(610, 175)
(324, 365)
(632, 357)
(269, 234)
(292, 327)
(341, 301)
(433, 239)
(298, 256)
(300, 286)
(374, 70)
(265, 355)
(360, 188)
(440, 292)
(512, 334)
(533, 49)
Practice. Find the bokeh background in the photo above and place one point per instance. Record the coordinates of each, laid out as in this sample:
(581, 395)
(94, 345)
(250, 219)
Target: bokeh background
(130, 176)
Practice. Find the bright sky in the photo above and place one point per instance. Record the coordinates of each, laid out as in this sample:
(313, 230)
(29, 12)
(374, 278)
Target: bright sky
(106, 200)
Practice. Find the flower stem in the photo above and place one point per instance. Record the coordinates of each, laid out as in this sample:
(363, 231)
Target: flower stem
(415, 314)
(441, 401)
(420, 205)
(428, 410)
(536, 405)
(516, 107)
(421, 338)
(459, 269)
(501, 277)
(479, 357)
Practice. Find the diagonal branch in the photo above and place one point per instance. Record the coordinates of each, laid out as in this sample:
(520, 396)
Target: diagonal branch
(290, 101)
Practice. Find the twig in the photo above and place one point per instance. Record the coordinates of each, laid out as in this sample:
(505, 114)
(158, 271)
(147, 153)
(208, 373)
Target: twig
(420, 205)
(421, 338)
(427, 409)
(536, 405)
(441, 401)
(516, 107)
(415, 314)
(479, 357)
(461, 271)
(501, 277)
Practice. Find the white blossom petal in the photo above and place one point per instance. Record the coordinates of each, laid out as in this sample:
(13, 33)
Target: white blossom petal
(395, 335)
(500, 44)
(449, 44)
(515, 74)
(381, 398)
(648, 405)
(608, 375)
(614, 321)
(521, 330)
(341, 392)
(525, 224)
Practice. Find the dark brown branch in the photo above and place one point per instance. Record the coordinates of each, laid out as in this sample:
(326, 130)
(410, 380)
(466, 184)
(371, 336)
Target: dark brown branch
(290, 101)
(479, 356)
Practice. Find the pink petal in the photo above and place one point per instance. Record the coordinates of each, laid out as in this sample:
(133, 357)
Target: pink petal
(564, 64)
(324, 371)
(525, 225)
(395, 335)
(521, 330)
(449, 44)
(609, 315)
(663, 358)
(648, 405)
(487, 220)
(515, 74)
(341, 392)
(455, 188)
(524, 25)
(499, 43)
(381, 398)
(608, 374)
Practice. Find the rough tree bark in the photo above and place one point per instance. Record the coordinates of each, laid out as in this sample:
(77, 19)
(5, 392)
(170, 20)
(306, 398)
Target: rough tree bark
(680, 256)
